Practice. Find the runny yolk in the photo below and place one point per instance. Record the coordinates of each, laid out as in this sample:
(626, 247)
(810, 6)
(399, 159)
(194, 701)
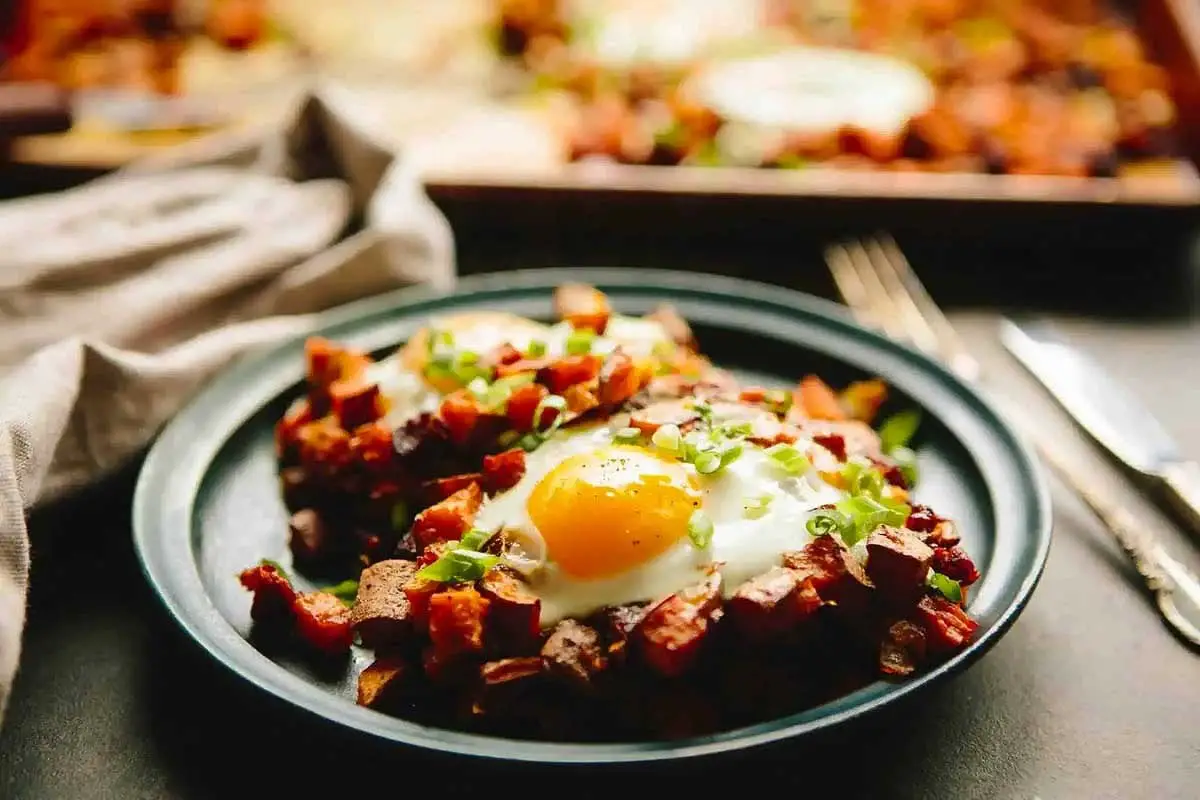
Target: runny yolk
(607, 511)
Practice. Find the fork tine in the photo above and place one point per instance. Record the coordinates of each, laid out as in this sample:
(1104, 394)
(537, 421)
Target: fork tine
(920, 332)
(849, 285)
(874, 293)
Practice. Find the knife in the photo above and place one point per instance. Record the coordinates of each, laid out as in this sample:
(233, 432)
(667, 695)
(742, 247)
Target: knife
(1108, 412)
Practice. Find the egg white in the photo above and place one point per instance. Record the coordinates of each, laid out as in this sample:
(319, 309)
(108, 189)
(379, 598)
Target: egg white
(743, 545)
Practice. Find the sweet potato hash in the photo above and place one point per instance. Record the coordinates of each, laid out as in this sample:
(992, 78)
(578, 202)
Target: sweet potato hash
(586, 531)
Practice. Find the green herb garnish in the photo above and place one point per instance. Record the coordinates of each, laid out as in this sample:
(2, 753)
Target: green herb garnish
(580, 341)
(266, 562)
(556, 402)
(668, 438)
(778, 401)
(947, 587)
(475, 539)
(399, 516)
(700, 529)
(755, 507)
(906, 460)
(459, 566)
(501, 389)
(537, 348)
(827, 523)
(789, 458)
(628, 436)
(346, 591)
(898, 429)
(868, 513)
(862, 479)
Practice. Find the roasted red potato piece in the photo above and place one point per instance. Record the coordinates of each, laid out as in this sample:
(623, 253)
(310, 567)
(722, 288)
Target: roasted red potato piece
(456, 621)
(522, 404)
(947, 627)
(503, 470)
(954, 563)
(573, 652)
(356, 403)
(310, 539)
(382, 615)
(903, 649)
(834, 572)
(568, 371)
(323, 622)
(670, 637)
(385, 683)
(897, 561)
(273, 593)
(675, 325)
(583, 306)
(450, 519)
(514, 613)
(770, 605)
(814, 397)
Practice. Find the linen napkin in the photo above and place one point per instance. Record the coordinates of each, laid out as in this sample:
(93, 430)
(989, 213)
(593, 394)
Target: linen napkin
(121, 298)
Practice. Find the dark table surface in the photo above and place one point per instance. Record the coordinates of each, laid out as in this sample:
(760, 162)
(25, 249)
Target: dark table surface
(1088, 696)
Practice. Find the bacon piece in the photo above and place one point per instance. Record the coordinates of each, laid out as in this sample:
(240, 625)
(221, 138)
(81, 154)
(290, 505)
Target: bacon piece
(456, 621)
(583, 306)
(515, 613)
(273, 593)
(619, 379)
(449, 519)
(573, 652)
(671, 635)
(947, 626)
(523, 402)
(328, 363)
(897, 561)
(323, 621)
(817, 400)
(503, 355)
(460, 411)
(664, 412)
(903, 649)
(382, 615)
(772, 604)
(385, 683)
(954, 563)
(834, 443)
(503, 470)
(439, 489)
(568, 371)
(675, 325)
(355, 403)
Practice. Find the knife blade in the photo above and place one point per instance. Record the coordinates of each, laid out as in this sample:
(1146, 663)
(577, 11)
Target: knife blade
(1107, 411)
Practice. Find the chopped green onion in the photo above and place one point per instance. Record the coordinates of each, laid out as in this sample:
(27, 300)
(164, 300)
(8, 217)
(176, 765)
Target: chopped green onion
(668, 438)
(755, 507)
(478, 387)
(475, 539)
(778, 401)
(862, 479)
(399, 515)
(906, 460)
(700, 529)
(508, 439)
(346, 591)
(789, 458)
(948, 587)
(703, 409)
(579, 341)
(898, 429)
(266, 562)
(529, 442)
(559, 404)
(731, 453)
(707, 463)
(441, 345)
(826, 523)
(502, 389)
(537, 348)
(459, 566)
(627, 436)
(732, 429)
(866, 514)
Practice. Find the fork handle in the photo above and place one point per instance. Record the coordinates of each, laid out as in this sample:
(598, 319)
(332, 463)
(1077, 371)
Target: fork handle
(1181, 481)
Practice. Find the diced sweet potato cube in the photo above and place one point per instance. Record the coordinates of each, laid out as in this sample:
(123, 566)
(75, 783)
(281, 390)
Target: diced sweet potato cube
(574, 653)
(817, 401)
(954, 563)
(328, 363)
(385, 683)
(382, 615)
(583, 306)
(862, 399)
(460, 411)
(323, 622)
(523, 402)
(323, 446)
(773, 604)
(356, 403)
(903, 649)
(309, 537)
(438, 489)
(456, 621)
(373, 447)
(947, 626)
(298, 415)
(450, 519)
(619, 379)
(503, 470)
(525, 365)
(670, 637)
(418, 592)
(897, 561)
(514, 620)
(568, 371)
(273, 593)
(674, 324)
(582, 397)
(507, 684)
(664, 412)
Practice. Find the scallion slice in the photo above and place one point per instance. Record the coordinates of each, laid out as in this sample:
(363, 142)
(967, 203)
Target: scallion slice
(755, 507)
(700, 529)
(707, 463)
(579, 341)
(628, 436)
(789, 458)
(559, 404)
(668, 438)
(947, 587)
(459, 566)
(537, 348)
(906, 460)
(475, 539)
(898, 429)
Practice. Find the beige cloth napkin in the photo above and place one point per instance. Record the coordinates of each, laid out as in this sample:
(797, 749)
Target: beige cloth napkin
(120, 298)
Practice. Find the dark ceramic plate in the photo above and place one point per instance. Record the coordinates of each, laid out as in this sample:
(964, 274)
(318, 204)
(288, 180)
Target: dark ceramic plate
(207, 503)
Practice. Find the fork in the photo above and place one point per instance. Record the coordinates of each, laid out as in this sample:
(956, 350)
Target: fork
(877, 283)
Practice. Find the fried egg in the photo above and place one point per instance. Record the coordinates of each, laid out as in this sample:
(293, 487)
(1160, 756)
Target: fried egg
(599, 523)
(408, 391)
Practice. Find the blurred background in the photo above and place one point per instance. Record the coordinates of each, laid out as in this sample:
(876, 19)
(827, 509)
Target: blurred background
(594, 131)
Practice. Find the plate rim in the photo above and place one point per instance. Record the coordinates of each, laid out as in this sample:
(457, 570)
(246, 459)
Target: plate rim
(147, 518)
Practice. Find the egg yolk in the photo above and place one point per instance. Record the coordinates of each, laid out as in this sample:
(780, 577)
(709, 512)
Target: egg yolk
(604, 512)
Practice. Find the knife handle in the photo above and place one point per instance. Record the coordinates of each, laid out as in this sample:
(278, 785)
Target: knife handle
(1181, 479)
